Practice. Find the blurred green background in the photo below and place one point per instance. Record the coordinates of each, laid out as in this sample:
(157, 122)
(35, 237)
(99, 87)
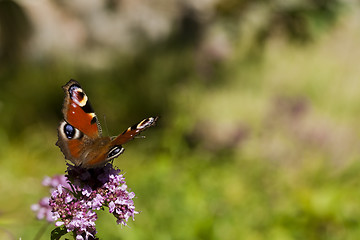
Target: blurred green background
(259, 101)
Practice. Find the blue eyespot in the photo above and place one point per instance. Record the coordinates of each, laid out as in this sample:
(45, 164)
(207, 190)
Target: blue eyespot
(115, 152)
(69, 131)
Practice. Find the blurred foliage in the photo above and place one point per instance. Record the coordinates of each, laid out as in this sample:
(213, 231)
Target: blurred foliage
(15, 32)
(182, 58)
(258, 137)
(298, 20)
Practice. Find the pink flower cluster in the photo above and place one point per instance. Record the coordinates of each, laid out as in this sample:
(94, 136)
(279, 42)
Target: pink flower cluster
(76, 196)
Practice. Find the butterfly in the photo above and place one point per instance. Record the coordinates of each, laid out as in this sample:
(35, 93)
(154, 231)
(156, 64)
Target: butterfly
(79, 133)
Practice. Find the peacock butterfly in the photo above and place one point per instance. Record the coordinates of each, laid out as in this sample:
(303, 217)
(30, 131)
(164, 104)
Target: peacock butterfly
(79, 134)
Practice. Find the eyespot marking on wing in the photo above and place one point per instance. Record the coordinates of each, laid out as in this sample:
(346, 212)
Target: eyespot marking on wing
(146, 123)
(69, 132)
(115, 152)
(78, 95)
(80, 98)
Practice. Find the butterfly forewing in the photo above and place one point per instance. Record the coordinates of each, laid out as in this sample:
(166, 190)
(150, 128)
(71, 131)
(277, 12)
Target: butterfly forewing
(134, 130)
(78, 111)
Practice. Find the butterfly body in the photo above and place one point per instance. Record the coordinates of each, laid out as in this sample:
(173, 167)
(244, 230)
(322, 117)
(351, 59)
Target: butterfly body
(79, 134)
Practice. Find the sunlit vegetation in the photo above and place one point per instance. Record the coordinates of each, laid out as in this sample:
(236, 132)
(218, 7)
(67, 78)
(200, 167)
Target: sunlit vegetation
(258, 136)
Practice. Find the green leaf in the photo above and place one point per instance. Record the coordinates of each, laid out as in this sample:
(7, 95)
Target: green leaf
(58, 232)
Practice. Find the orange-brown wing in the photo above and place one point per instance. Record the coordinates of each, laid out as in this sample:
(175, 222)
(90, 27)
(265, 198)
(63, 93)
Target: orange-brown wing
(79, 133)
(78, 112)
(84, 151)
(114, 148)
(132, 131)
(71, 142)
(80, 126)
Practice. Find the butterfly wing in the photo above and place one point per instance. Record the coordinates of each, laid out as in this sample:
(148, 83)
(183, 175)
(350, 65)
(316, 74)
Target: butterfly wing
(80, 126)
(78, 111)
(79, 134)
(134, 130)
(114, 147)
